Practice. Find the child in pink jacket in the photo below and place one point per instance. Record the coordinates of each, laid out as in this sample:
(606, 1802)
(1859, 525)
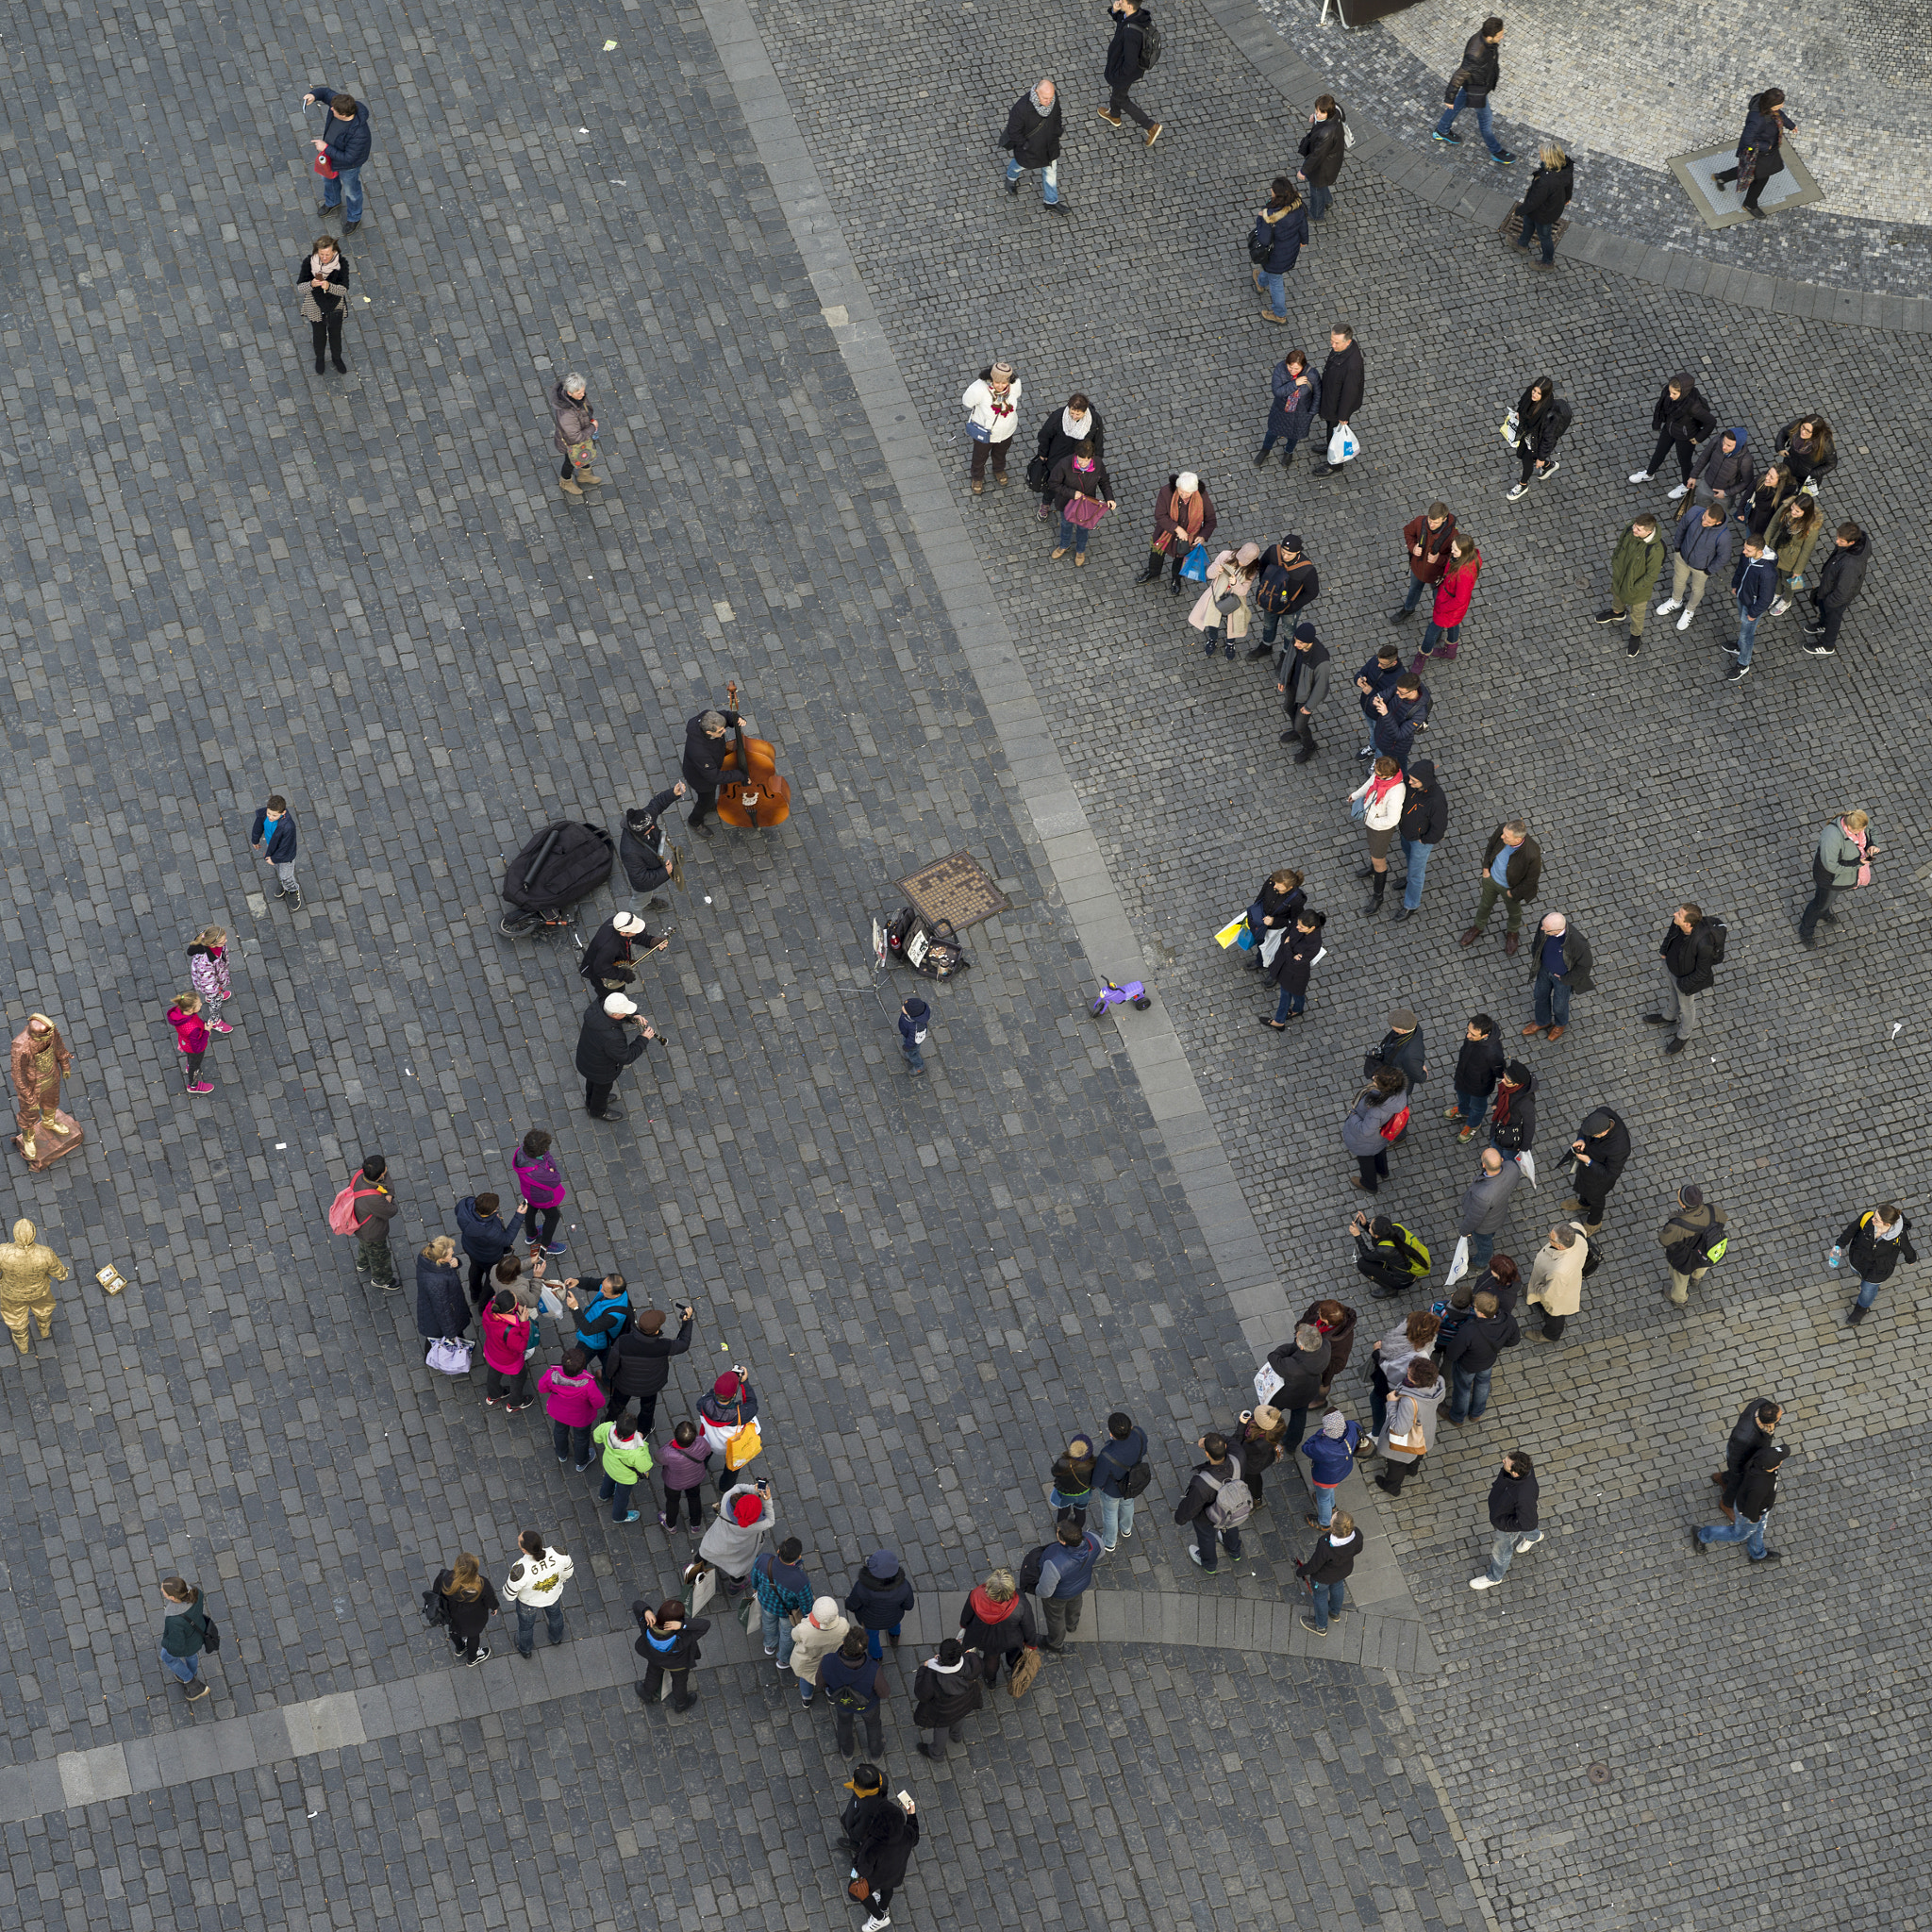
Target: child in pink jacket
(687, 1462)
(191, 1036)
(573, 1399)
(505, 1342)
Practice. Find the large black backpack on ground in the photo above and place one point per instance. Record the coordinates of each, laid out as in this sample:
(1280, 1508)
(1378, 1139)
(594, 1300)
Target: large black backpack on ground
(560, 864)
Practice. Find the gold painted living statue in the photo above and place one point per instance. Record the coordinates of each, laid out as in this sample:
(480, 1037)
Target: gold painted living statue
(40, 1057)
(27, 1271)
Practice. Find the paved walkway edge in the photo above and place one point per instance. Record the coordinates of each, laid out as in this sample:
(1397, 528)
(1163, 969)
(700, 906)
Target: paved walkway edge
(593, 1666)
(1262, 1303)
(1261, 44)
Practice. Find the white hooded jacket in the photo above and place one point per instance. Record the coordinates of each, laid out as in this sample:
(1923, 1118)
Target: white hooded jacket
(538, 1581)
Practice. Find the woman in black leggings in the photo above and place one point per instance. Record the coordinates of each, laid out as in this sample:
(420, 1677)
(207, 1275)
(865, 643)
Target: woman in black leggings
(323, 272)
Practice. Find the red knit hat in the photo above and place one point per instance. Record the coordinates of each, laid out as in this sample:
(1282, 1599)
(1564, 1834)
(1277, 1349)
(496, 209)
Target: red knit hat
(747, 1511)
(726, 1388)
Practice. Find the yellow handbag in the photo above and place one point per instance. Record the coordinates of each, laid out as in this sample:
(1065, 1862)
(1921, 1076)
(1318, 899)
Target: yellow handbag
(742, 1444)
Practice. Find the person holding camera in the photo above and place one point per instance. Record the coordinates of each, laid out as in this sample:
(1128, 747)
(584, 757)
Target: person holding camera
(731, 1543)
(638, 1363)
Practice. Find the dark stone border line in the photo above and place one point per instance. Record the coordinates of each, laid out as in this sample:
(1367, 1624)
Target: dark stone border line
(1261, 44)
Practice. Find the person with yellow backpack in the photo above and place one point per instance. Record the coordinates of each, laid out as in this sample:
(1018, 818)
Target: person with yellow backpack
(1877, 1243)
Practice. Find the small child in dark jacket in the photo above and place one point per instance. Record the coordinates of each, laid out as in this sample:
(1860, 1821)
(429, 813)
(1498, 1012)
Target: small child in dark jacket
(1476, 1068)
(272, 836)
(912, 1017)
(191, 1036)
(1073, 1480)
(1294, 961)
(687, 1461)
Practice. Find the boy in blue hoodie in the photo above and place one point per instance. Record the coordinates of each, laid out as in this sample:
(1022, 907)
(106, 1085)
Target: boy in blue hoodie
(912, 1017)
(273, 840)
(1331, 1454)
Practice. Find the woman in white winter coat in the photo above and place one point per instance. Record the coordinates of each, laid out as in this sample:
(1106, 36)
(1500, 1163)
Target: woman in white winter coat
(1231, 574)
(1381, 795)
(992, 414)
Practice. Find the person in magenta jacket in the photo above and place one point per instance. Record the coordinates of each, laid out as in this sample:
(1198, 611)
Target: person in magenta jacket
(539, 1181)
(573, 1399)
(191, 1036)
(505, 1339)
(1453, 596)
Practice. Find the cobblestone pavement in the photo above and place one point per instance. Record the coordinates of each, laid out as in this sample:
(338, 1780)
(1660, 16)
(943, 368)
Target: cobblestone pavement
(213, 574)
(1625, 91)
(1645, 780)
(219, 582)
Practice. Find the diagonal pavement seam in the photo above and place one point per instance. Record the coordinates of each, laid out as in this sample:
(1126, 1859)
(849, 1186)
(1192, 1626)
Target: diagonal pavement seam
(1260, 1301)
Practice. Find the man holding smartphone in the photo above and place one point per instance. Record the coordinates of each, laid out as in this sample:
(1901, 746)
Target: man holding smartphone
(639, 1364)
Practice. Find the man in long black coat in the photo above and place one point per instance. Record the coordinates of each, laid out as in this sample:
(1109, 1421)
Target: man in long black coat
(1343, 385)
(609, 1040)
(705, 742)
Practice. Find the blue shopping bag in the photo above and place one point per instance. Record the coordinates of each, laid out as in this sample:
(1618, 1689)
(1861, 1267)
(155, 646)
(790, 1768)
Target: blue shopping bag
(1195, 569)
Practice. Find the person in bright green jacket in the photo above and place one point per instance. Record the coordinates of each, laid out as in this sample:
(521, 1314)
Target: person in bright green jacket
(627, 1464)
(1635, 567)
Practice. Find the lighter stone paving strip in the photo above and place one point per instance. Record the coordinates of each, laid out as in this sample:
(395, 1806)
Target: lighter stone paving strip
(1261, 1303)
(593, 1665)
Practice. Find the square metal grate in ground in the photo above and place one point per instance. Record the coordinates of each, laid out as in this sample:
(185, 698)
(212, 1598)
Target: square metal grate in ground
(955, 888)
(1721, 206)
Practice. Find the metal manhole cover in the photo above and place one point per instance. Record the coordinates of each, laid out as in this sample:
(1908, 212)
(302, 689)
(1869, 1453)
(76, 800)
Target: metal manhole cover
(955, 889)
(1599, 1773)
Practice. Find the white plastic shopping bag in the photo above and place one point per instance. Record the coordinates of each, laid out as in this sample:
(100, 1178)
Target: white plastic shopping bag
(1526, 1162)
(1458, 1262)
(1344, 445)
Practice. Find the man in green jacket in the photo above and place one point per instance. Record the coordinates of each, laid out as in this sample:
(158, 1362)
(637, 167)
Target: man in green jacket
(1635, 567)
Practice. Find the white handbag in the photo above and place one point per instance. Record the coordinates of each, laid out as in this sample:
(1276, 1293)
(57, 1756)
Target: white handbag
(701, 1581)
(448, 1356)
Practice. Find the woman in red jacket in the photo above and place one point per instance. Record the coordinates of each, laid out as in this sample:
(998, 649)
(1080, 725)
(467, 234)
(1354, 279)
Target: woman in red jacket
(506, 1338)
(1452, 601)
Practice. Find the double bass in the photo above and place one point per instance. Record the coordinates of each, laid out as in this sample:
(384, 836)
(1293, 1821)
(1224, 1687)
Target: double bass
(751, 794)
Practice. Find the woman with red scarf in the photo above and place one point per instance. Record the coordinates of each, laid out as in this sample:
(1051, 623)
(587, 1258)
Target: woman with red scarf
(996, 1621)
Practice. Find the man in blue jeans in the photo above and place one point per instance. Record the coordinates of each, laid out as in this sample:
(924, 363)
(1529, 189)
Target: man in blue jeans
(1756, 1494)
(1512, 1518)
(1125, 1450)
(1471, 86)
(346, 144)
(1327, 1572)
(1425, 820)
(1563, 960)
(1754, 580)
(1471, 1354)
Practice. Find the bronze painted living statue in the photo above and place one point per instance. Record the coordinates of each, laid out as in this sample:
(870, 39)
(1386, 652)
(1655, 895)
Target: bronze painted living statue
(41, 1059)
